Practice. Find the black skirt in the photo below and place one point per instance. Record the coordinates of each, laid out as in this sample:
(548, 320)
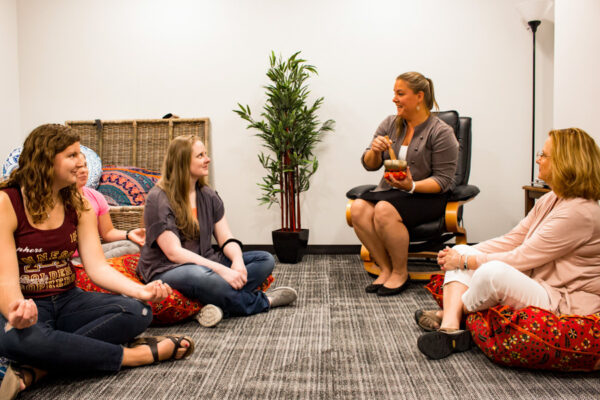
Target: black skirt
(415, 209)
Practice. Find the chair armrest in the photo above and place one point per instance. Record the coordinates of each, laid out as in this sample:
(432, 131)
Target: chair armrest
(463, 193)
(357, 191)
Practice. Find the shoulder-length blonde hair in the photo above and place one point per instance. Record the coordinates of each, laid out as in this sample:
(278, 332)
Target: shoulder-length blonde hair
(175, 181)
(575, 166)
(35, 174)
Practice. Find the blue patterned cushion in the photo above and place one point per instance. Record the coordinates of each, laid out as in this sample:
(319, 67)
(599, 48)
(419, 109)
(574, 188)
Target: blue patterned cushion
(126, 186)
(93, 161)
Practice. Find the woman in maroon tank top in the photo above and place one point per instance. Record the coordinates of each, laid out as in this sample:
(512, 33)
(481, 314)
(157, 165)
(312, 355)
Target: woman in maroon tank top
(44, 220)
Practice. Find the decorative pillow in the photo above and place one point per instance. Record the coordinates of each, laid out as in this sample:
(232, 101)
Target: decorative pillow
(173, 309)
(126, 186)
(11, 162)
(532, 337)
(93, 161)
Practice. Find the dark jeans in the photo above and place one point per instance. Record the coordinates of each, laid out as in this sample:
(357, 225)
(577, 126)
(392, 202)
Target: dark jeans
(77, 330)
(203, 284)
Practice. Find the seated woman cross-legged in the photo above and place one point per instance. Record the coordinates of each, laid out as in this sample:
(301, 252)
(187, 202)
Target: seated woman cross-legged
(381, 217)
(181, 216)
(118, 242)
(46, 323)
(550, 260)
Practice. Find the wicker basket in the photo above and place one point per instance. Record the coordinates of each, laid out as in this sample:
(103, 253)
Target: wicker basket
(140, 143)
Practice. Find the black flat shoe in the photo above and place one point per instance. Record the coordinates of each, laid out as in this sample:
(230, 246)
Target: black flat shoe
(385, 291)
(373, 287)
(440, 344)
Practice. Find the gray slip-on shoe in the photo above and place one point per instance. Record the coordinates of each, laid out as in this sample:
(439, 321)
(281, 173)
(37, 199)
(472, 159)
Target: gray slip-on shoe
(282, 296)
(209, 316)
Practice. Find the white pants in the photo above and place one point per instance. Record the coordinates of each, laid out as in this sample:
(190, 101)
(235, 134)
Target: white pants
(496, 282)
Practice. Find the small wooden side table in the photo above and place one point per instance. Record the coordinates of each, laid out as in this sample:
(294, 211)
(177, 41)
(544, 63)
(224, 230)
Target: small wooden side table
(531, 194)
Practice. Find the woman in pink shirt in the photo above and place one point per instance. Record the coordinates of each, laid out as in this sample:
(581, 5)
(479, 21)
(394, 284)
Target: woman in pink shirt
(117, 242)
(551, 259)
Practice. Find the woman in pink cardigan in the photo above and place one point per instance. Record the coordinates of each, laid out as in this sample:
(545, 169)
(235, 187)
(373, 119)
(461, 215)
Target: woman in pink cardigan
(551, 259)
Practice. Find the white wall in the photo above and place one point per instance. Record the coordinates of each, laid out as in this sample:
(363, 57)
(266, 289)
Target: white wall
(85, 59)
(577, 66)
(10, 133)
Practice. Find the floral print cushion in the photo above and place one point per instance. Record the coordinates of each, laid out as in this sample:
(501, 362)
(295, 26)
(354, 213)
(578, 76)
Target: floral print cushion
(533, 337)
(173, 309)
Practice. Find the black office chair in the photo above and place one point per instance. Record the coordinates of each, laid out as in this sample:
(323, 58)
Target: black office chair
(428, 238)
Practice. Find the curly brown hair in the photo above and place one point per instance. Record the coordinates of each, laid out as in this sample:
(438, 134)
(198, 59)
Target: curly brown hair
(35, 174)
(175, 181)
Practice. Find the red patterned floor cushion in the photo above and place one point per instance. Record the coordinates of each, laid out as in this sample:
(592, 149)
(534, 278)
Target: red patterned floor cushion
(532, 337)
(173, 309)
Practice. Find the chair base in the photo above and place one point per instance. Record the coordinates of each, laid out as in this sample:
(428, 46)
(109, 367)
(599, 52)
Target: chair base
(420, 275)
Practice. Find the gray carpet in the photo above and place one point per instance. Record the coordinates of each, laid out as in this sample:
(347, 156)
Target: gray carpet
(337, 342)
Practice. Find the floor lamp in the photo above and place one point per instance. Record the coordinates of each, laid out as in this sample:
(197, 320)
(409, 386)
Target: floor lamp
(533, 11)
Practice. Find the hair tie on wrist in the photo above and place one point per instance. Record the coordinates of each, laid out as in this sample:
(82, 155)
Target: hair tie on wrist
(127, 234)
(235, 241)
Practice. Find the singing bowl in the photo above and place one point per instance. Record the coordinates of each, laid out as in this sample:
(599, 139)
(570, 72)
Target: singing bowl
(394, 165)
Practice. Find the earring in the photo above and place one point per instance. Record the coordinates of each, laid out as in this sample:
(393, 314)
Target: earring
(418, 107)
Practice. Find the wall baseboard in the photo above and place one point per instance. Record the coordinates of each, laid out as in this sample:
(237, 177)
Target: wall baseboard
(312, 249)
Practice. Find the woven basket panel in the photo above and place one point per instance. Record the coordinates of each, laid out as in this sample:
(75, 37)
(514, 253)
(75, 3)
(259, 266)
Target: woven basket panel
(127, 218)
(152, 144)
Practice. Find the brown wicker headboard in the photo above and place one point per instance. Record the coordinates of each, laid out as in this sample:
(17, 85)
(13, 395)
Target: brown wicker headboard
(139, 143)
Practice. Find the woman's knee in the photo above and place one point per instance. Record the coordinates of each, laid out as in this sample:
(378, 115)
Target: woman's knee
(491, 274)
(384, 213)
(361, 212)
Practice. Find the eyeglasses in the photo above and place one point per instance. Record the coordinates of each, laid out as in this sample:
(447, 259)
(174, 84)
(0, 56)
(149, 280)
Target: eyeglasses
(540, 154)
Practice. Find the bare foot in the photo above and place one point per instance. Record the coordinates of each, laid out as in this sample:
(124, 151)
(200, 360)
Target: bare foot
(396, 280)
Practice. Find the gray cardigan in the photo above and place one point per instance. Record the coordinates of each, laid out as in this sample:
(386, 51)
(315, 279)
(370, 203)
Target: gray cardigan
(432, 151)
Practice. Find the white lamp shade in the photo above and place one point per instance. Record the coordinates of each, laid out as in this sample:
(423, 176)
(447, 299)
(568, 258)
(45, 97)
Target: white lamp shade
(534, 10)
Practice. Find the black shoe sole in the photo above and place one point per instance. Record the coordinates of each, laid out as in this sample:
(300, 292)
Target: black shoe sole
(373, 287)
(439, 344)
(384, 291)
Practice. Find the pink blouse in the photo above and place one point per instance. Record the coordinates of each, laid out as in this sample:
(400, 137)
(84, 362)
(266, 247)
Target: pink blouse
(558, 245)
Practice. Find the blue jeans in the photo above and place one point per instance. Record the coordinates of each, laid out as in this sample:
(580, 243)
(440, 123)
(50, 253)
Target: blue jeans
(77, 330)
(203, 284)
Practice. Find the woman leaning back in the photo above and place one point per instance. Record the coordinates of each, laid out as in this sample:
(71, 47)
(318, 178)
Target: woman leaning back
(381, 217)
(181, 216)
(46, 323)
(550, 260)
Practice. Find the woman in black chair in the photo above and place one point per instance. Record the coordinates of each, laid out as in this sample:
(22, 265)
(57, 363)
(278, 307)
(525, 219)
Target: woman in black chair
(381, 217)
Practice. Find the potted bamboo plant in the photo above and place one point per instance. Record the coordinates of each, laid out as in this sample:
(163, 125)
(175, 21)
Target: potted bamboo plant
(290, 130)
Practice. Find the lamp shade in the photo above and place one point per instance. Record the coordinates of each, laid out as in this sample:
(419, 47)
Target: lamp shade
(534, 10)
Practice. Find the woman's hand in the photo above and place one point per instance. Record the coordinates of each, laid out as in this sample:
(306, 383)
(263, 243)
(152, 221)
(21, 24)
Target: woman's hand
(138, 236)
(380, 144)
(155, 291)
(448, 259)
(405, 184)
(240, 267)
(235, 278)
(22, 313)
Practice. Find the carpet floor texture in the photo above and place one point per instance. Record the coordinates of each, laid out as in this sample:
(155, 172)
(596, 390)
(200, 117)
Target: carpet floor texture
(335, 342)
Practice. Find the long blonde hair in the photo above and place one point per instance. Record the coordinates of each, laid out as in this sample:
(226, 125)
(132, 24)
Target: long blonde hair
(175, 181)
(575, 166)
(35, 174)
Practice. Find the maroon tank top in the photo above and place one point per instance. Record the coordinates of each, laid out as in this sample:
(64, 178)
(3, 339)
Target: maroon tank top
(44, 255)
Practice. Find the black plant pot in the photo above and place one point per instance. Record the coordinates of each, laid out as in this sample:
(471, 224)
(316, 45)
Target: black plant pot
(290, 246)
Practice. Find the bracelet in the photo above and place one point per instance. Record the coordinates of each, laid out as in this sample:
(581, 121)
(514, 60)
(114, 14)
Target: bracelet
(235, 241)
(466, 264)
(127, 234)
(411, 191)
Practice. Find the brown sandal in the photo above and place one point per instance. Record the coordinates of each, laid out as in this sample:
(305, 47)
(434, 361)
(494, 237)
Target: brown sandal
(428, 320)
(152, 342)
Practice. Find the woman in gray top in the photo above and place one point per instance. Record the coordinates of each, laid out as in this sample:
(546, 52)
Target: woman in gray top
(181, 216)
(381, 216)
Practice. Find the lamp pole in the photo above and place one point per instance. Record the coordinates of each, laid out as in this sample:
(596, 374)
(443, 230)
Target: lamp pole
(533, 25)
